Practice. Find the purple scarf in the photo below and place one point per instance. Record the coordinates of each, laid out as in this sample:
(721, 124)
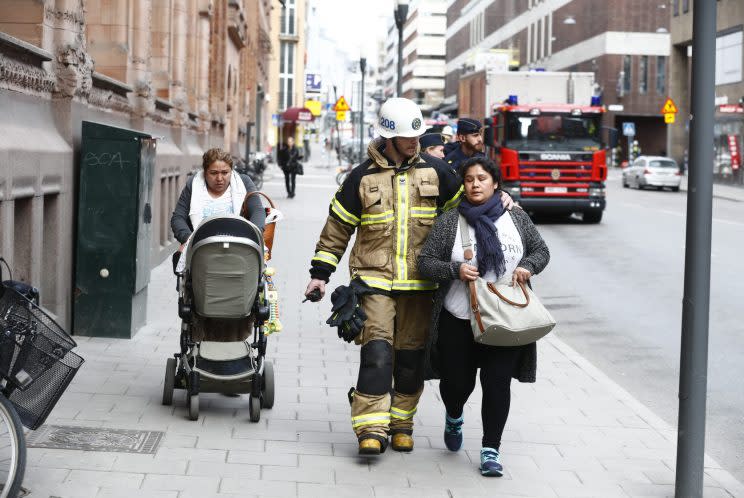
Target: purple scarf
(483, 217)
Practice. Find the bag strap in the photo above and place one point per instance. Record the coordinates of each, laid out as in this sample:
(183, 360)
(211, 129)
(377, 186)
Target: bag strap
(475, 308)
(465, 238)
(467, 249)
(493, 289)
(251, 194)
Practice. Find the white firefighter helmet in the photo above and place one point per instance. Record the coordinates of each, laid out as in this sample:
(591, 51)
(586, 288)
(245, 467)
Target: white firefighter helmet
(400, 117)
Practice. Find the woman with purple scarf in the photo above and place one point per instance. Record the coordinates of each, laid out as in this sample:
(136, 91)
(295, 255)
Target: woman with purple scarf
(508, 248)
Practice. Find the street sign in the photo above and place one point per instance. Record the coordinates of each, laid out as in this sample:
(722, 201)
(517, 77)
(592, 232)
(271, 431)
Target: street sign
(340, 115)
(341, 105)
(629, 129)
(669, 107)
(313, 83)
(669, 118)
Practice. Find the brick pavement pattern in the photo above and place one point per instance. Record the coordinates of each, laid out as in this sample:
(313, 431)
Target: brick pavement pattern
(574, 433)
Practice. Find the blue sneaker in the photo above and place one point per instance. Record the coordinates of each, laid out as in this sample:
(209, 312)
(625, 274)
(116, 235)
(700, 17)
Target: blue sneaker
(491, 463)
(453, 433)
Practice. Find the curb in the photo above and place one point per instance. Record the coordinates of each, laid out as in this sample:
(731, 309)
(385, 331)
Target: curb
(711, 467)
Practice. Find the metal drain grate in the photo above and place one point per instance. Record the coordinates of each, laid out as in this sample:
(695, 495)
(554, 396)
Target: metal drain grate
(95, 439)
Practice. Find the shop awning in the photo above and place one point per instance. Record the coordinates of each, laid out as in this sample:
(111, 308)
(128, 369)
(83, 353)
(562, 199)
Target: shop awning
(298, 115)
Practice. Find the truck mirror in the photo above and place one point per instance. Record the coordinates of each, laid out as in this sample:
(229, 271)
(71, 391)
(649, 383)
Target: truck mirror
(489, 133)
(612, 137)
(488, 136)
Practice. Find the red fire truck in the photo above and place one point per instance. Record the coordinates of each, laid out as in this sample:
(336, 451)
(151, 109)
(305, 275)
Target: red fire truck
(552, 156)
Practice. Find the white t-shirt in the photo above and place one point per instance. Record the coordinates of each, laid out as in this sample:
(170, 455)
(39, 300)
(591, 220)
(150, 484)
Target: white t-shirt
(457, 300)
(212, 207)
(219, 206)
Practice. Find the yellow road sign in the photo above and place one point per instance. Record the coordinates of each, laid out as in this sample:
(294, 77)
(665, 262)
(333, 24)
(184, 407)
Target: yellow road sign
(341, 105)
(340, 115)
(669, 117)
(314, 106)
(669, 107)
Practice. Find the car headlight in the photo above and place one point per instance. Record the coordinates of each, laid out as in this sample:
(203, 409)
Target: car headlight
(596, 192)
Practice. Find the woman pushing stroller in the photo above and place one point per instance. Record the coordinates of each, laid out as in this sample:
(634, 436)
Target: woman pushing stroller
(216, 189)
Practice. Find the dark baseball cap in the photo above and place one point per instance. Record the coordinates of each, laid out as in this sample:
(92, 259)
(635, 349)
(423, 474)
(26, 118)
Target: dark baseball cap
(466, 126)
(431, 140)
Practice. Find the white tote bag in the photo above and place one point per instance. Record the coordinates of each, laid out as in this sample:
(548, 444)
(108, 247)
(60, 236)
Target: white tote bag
(502, 314)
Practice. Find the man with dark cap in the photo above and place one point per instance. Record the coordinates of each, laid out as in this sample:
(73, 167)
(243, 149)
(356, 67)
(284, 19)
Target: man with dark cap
(469, 142)
(432, 144)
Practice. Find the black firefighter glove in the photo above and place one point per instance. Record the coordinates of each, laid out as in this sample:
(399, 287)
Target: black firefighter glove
(347, 314)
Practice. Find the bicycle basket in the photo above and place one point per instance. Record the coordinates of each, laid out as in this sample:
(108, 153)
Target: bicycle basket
(30, 341)
(35, 403)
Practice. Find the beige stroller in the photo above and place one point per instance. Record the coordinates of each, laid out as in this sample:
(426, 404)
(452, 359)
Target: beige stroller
(223, 307)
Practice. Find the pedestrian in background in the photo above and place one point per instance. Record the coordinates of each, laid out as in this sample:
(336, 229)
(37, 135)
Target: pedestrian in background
(432, 144)
(508, 249)
(469, 143)
(447, 134)
(289, 158)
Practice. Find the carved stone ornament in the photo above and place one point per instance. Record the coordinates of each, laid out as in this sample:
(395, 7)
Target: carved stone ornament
(24, 77)
(74, 68)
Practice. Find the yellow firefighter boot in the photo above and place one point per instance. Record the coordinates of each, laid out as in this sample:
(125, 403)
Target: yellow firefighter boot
(370, 446)
(402, 442)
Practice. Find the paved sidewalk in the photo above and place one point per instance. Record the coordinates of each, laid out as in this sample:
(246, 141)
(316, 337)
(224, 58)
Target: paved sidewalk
(721, 191)
(574, 433)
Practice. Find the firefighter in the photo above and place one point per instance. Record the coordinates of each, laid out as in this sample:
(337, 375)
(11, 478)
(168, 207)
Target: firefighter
(390, 200)
(469, 142)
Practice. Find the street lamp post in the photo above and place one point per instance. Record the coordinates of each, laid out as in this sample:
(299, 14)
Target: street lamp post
(401, 12)
(363, 67)
(260, 94)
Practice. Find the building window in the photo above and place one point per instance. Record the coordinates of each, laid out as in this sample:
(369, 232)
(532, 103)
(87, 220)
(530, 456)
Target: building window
(728, 58)
(477, 29)
(661, 75)
(287, 20)
(643, 75)
(626, 74)
(675, 7)
(685, 6)
(286, 74)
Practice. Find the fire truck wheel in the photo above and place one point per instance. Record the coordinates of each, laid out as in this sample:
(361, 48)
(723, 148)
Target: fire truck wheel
(592, 216)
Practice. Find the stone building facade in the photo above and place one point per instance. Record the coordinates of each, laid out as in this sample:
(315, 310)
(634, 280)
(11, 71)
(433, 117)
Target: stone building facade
(625, 43)
(185, 71)
(729, 126)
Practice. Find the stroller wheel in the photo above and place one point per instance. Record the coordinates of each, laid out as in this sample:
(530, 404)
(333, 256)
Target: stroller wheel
(194, 407)
(254, 409)
(169, 382)
(267, 389)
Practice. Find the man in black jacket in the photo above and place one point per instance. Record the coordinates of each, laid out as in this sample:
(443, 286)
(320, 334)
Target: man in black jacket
(469, 143)
(289, 160)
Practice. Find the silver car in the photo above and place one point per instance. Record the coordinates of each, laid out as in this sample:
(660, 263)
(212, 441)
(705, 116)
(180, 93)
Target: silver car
(652, 171)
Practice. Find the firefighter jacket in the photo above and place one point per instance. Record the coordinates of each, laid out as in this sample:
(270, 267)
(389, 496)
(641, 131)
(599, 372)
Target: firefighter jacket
(392, 209)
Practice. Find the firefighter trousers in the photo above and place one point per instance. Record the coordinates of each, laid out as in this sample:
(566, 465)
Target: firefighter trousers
(392, 360)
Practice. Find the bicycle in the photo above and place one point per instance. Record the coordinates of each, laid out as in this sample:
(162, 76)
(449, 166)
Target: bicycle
(342, 173)
(36, 366)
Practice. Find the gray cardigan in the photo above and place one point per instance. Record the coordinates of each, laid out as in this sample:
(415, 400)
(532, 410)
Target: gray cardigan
(181, 223)
(435, 263)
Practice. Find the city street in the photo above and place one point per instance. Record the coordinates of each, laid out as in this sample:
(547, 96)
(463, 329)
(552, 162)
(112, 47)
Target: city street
(575, 433)
(621, 285)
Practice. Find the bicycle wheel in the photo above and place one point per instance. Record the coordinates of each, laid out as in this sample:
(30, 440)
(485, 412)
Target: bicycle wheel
(12, 450)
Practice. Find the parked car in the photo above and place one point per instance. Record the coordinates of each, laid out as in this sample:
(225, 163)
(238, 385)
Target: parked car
(652, 171)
